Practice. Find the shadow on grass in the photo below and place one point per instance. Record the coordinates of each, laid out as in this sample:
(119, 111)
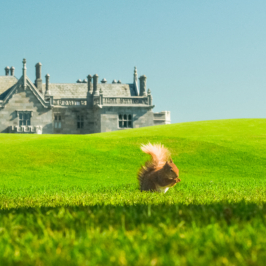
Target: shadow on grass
(130, 217)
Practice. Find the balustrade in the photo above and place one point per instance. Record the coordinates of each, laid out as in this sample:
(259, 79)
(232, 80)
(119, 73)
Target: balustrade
(122, 100)
(100, 100)
(70, 102)
(27, 129)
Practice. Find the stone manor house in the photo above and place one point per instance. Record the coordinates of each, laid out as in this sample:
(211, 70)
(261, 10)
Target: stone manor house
(87, 106)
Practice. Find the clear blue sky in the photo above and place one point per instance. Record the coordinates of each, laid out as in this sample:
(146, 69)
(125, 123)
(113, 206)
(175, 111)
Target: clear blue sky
(203, 59)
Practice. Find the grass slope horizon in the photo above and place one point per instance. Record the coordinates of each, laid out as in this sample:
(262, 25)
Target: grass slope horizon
(203, 151)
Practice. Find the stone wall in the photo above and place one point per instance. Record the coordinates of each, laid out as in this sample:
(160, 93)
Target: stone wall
(96, 119)
(162, 118)
(25, 100)
(141, 117)
(69, 120)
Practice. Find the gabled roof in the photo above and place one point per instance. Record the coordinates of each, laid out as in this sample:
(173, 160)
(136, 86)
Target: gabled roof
(9, 92)
(38, 95)
(79, 90)
(6, 82)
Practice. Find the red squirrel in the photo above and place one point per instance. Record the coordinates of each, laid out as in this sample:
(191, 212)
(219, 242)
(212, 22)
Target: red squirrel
(160, 173)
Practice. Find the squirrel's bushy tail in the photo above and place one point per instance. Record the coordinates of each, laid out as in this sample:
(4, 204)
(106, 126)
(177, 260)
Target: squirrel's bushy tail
(158, 153)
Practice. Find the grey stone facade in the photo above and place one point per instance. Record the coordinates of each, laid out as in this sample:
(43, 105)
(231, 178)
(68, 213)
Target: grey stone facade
(84, 107)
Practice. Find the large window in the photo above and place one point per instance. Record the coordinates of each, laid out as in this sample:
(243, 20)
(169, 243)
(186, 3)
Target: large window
(24, 118)
(125, 121)
(80, 121)
(57, 121)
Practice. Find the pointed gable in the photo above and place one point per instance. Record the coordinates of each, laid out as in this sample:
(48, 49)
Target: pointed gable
(6, 83)
(9, 92)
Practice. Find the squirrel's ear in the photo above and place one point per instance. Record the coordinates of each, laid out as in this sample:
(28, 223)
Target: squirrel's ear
(166, 164)
(170, 160)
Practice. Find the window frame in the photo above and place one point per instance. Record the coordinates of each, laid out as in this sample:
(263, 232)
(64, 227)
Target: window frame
(125, 121)
(24, 118)
(57, 122)
(80, 121)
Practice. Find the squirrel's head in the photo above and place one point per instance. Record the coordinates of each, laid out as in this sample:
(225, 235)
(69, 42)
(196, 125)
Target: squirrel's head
(171, 174)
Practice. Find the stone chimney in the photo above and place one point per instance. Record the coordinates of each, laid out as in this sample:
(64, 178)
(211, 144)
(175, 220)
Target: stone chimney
(135, 81)
(47, 91)
(24, 71)
(142, 85)
(7, 70)
(149, 97)
(89, 82)
(90, 92)
(38, 81)
(12, 71)
(95, 82)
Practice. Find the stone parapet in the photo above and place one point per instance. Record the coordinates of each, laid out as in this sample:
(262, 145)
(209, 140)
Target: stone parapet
(162, 118)
(114, 101)
(26, 129)
(70, 102)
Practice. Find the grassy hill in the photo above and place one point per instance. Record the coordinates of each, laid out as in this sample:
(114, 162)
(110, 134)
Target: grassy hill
(204, 151)
(74, 199)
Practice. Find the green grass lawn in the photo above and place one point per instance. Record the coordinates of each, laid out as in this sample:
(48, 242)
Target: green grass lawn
(74, 199)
